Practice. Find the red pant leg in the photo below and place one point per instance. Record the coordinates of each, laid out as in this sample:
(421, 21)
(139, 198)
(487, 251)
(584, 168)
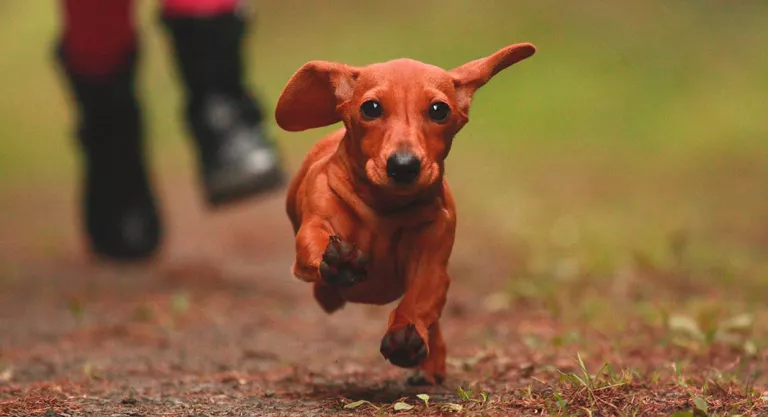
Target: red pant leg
(198, 8)
(98, 34)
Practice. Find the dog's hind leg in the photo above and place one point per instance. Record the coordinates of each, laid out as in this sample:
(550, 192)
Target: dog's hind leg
(328, 297)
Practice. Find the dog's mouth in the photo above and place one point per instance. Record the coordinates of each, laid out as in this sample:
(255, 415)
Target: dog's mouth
(378, 175)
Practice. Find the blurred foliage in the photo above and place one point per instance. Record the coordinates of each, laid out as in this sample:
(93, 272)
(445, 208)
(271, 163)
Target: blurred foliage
(633, 122)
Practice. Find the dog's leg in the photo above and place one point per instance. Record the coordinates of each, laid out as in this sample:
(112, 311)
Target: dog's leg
(343, 264)
(413, 336)
(323, 257)
(311, 241)
(408, 342)
(328, 297)
(432, 370)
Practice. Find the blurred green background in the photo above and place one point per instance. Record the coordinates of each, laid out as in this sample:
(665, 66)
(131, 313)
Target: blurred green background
(636, 123)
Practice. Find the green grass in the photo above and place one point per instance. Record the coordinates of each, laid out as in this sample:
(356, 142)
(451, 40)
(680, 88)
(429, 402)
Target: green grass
(624, 165)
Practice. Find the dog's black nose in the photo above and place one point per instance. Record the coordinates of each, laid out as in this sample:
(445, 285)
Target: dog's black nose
(403, 167)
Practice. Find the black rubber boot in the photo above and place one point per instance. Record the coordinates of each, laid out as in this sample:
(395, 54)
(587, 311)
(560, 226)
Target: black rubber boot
(236, 157)
(120, 215)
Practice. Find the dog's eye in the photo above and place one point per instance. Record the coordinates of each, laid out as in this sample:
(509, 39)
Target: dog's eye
(371, 109)
(439, 112)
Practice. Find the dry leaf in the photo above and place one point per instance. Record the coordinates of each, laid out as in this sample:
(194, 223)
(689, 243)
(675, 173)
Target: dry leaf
(401, 406)
(358, 404)
(457, 408)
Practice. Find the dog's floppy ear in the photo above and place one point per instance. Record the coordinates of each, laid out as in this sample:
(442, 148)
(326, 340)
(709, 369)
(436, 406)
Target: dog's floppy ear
(469, 77)
(313, 94)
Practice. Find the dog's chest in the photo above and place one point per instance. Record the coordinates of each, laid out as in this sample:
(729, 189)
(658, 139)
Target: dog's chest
(385, 282)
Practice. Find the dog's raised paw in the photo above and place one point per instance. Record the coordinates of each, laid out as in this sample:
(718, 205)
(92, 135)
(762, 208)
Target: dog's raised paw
(404, 347)
(343, 264)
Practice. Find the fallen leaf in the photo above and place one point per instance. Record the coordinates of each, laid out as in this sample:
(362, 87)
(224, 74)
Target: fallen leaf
(750, 348)
(452, 407)
(738, 324)
(701, 404)
(358, 403)
(686, 325)
(6, 374)
(401, 406)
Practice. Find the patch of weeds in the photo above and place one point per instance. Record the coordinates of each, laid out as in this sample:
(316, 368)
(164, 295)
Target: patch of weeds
(469, 395)
(736, 398)
(582, 392)
(679, 378)
(604, 380)
(464, 395)
(559, 405)
(707, 329)
(655, 377)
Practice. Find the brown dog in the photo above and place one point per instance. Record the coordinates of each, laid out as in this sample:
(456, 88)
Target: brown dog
(373, 215)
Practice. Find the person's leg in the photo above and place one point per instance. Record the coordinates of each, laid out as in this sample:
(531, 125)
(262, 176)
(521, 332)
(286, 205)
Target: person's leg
(236, 157)
(97, 53)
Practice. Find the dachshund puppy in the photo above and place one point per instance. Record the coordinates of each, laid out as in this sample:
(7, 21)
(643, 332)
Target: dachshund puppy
(373, 216)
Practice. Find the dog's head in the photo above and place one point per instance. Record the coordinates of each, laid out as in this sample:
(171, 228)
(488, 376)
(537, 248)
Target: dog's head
(401, 115)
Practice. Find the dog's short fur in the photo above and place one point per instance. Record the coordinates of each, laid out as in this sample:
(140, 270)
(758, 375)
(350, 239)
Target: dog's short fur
(373, 215)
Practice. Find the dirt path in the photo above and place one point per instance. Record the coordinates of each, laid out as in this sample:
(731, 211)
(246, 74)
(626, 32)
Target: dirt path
(215, 326)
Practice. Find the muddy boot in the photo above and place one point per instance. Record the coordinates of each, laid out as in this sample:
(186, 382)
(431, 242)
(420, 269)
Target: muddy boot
(236, 157)
(118, 206)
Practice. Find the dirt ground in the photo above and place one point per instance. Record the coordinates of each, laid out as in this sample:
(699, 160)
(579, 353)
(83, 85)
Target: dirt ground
(217, 326)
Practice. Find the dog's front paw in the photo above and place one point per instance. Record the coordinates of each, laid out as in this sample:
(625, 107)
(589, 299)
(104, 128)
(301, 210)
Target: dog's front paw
(343, 264)
(404, 347)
